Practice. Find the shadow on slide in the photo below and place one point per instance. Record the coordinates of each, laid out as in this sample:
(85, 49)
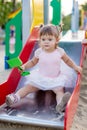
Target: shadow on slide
(34, 109)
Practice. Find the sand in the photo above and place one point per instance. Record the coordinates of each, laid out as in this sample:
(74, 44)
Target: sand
(80, 119)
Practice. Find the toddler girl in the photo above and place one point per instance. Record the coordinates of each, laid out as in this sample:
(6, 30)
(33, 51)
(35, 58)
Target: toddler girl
(48, 76)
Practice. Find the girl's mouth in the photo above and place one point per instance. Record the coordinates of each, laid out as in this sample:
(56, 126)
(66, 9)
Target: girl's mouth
(46, 45)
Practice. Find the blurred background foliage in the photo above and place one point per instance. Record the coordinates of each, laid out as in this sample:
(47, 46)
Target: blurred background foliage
(7, 8)
(84, 7)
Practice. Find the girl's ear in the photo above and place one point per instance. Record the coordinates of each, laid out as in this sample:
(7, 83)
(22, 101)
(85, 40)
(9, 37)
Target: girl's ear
(57, 39)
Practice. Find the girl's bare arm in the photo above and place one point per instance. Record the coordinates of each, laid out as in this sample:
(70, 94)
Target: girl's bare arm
(30, 63)
(71, 63)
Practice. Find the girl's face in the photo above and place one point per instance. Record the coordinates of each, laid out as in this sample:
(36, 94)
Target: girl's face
(48, 42)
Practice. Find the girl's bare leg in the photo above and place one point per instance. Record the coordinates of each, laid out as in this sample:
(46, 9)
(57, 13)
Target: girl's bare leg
(62, 99)
(26, 90)
(14, 98)
(59, 94)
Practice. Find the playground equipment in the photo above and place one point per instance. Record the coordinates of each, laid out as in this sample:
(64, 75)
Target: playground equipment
(75, 18)
(40, 16)
(13, 38)
(56, 5)
(38, 13)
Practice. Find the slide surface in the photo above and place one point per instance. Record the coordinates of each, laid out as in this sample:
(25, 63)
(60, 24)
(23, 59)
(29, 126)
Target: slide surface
(80, 114)
(31, 112)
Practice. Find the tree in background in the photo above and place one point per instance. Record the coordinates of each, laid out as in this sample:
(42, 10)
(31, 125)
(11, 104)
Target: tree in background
(5, 9)
(84, 7)
(67, 22)
(2, 1)
(14, 5)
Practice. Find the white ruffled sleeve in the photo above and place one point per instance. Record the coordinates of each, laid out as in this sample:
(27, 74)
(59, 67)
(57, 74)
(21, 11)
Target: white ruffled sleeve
(37, 53)
(61, 51)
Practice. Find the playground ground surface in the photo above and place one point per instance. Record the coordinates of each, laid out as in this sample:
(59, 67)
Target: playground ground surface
(80, 118)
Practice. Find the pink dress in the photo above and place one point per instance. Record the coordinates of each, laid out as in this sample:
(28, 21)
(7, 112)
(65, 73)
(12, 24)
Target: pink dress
(48, 74)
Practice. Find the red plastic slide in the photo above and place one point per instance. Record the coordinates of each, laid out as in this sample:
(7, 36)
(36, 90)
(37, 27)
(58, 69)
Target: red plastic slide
(73, 102)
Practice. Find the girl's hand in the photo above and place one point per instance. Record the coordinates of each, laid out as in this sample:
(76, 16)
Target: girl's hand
(78, 69)
(21, 68)
(23, 73)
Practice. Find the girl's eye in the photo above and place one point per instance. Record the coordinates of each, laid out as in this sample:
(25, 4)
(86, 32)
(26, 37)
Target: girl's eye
(50, 39)
(43, 39)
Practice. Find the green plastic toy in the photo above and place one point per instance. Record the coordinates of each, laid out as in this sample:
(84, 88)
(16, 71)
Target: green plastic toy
(16, 62)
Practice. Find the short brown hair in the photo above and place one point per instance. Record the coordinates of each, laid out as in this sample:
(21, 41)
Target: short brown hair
(49, 30)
